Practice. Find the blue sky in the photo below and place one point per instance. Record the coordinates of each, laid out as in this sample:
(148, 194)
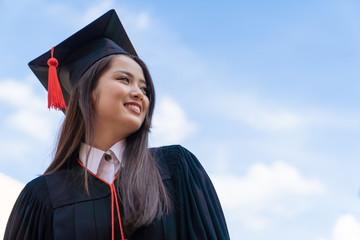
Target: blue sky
(264, 93)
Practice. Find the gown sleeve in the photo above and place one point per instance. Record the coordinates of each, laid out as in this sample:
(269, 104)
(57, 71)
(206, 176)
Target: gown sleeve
(31, 216)
(200, 213)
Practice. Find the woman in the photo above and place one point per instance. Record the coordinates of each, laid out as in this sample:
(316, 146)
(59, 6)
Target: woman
(104, 182)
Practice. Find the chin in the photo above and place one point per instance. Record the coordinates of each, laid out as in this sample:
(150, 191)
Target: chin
(133, 127)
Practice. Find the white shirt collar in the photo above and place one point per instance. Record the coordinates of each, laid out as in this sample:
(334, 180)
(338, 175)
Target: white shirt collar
(96, 155)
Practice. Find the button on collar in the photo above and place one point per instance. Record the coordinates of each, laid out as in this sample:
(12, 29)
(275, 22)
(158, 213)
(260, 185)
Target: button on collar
(107, 156)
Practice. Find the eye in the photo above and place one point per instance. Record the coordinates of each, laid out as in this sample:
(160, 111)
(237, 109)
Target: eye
(145, 91)
(124, 79)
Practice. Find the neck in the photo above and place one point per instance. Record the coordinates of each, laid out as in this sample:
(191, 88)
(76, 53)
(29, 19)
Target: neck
(106, 139)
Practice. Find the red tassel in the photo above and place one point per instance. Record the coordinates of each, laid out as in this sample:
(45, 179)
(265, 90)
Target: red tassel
(55, 96)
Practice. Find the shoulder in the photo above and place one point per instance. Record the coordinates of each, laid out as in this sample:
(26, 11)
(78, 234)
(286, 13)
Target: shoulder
(193, 195)
(174, 151)
(172, 154)
(47, 189)
(36, 183)
(36, 190)
(32, 213)
(177, 158)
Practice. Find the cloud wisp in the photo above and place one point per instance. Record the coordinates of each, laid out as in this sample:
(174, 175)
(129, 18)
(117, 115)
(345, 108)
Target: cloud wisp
(29, 112)
(265, 191)
(273, 116)
(346, 227)
(170, 123)
(12, 188)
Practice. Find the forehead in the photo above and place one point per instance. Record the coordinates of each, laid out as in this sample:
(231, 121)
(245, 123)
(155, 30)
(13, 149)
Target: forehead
(124, 63)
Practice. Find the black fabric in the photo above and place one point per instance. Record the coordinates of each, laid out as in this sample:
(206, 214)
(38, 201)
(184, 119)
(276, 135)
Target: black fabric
(100, 38)
(56, 206)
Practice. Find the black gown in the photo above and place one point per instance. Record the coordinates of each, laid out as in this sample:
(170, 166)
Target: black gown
(56, 206)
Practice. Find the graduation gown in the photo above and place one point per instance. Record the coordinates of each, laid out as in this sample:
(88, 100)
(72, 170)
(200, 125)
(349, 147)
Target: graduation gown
(56, 206)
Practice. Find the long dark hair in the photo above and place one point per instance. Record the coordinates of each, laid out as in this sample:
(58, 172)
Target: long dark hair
(143, 194)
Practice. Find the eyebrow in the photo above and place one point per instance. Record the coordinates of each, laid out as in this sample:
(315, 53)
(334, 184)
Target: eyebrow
(129, 74)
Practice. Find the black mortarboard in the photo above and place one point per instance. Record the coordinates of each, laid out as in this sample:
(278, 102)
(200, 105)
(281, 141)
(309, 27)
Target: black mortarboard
(101, 38)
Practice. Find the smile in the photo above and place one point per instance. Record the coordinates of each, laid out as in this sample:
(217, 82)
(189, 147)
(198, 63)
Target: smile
(133, 107)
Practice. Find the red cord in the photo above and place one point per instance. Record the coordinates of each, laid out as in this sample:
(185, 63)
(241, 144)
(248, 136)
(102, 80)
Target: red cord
(113, 196)
(118, 212)
(112, 214)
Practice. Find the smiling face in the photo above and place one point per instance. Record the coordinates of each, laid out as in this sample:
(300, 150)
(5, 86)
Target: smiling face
(119, 100)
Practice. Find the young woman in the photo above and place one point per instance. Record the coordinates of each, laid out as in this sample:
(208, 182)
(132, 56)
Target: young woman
(104, 182)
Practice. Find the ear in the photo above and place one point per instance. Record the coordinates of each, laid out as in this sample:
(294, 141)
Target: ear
(94, 96)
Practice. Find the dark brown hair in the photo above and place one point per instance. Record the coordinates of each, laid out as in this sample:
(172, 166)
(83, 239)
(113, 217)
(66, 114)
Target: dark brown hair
(143, 194)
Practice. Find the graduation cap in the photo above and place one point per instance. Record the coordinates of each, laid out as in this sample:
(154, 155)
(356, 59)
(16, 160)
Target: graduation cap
(72, 57)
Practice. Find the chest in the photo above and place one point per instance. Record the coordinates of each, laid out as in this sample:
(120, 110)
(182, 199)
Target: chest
(93, 220)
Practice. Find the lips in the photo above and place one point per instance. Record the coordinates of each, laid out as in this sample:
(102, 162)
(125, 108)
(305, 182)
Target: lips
(134, 106)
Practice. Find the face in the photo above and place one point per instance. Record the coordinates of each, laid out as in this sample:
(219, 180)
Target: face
(119, 99)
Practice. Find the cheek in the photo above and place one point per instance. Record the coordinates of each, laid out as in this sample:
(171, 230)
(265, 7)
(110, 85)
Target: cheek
(146, 105)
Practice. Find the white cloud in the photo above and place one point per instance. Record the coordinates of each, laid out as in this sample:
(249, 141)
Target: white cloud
(16, 148)
(347, 227)
(275, 190)
(259, 113)
(270, 115)
(10, 189)
(18, 94)
(37, 126)
(29, 112)
(170, 123)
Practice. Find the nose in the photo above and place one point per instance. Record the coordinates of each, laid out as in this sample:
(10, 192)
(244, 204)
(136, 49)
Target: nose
(136, 93)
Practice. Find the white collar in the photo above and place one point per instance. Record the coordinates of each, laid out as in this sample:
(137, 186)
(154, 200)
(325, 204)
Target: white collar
(96, 154)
